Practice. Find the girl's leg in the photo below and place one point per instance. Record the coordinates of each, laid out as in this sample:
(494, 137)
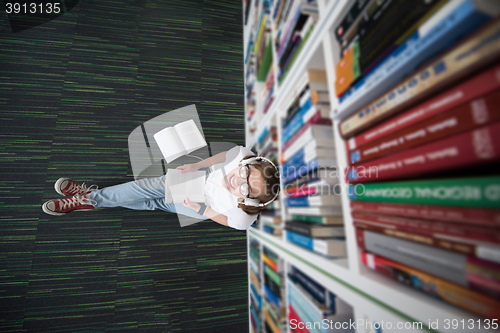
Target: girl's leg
(144, 194)
(141, 194)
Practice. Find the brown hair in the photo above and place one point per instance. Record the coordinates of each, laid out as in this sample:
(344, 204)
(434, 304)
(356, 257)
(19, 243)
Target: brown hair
(272, 180)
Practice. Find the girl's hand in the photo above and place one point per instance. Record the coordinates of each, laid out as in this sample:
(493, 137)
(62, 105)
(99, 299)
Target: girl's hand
(188, 168)
(193, 205)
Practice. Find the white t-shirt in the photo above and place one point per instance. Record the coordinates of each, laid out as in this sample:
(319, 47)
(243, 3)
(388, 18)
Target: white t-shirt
(219, 198)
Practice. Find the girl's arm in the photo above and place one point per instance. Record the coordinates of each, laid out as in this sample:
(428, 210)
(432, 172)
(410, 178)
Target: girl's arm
(209, 212)
(214, 216)
(219, 158)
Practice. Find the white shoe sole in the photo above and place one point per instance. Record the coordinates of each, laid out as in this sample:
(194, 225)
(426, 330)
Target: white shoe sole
(57, 186)
(46, 210)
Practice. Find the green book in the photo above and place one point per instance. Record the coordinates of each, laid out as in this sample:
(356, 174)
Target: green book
(483, 192)
(267, 59)
(333, 220)
(273, 275)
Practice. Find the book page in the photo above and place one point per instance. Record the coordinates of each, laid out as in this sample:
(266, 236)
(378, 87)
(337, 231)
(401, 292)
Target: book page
(169, 143)
(190, 136)
(182, 185)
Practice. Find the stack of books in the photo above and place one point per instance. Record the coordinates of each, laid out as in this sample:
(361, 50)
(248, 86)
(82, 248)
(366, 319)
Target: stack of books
(308, 169)
(294, 22)
(263, 47)
(438, 30)
(270, 217)
(423, 160)
(268, 90)
(313, 308)
(274, 307)
(255, 286)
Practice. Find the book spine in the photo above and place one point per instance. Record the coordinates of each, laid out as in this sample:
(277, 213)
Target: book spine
(457, 120)
(296, 323)
(275, 277)
(295, 122)
(314, 120)
(300, 229)
(479, 85)
(467, 299)
(314, 288)
(468, 149)
(467, 57)
(465, 192)
(297, 202)
(299, 239)
(439, 230)
(399, 22)
(270, 263)
(459, 215)
(272, 286)
(302, 306)
(293, 50)
(303, 192)
(349, 19)
(270, 322)
(441, 263)
(301, 170)
(464, 248)
(290, 29)
(271, 296)
(257, 297)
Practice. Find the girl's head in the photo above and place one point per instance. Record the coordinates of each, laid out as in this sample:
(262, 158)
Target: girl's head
(259, 181)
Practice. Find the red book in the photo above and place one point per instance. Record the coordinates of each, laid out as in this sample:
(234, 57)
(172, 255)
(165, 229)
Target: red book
(467, 149)
(444, 235)
(437, 229)
(477, 216)
(477, 86)
(297, 324)
(465, 117)
(303, 192)
(316, 119)
(465, 270)
(449, 292)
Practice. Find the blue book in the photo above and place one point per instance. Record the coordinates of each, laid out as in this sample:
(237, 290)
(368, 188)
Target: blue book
(256, 295)
(301, 170)
(413, 52)
(263, 135)
(334, 247)
(256, 318)
(271, 296)
(268, 229)
(297, 122)
(320, 293)
(296, 202)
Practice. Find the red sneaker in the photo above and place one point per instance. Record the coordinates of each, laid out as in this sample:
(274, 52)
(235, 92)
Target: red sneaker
(63, 206)
(68, 187)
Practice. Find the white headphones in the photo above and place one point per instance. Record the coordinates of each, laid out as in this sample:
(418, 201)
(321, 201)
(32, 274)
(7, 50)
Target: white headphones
(250, 201)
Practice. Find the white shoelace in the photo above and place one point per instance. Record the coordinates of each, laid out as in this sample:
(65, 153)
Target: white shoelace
(77, 199)
(82, 187)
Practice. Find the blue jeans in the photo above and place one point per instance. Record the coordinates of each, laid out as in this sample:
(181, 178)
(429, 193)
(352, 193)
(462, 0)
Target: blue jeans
(143, 194)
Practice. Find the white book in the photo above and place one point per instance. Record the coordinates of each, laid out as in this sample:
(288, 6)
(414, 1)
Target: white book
(179, 186)
(179, 140)
(322, 135)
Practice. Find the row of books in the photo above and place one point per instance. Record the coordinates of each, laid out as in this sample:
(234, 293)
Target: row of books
(293, 24)
(314, 211)
(267, 146)
(312, 307)
(440, 26)
(255, 285)
(423, 175)
(274, 308)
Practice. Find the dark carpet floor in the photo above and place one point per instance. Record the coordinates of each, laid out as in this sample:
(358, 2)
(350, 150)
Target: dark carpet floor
(71, 91)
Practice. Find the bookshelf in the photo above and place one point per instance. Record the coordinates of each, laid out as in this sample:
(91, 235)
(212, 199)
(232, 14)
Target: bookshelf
(372, 296)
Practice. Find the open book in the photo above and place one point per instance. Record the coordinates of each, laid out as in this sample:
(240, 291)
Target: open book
(179, 186)
(179, 140)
